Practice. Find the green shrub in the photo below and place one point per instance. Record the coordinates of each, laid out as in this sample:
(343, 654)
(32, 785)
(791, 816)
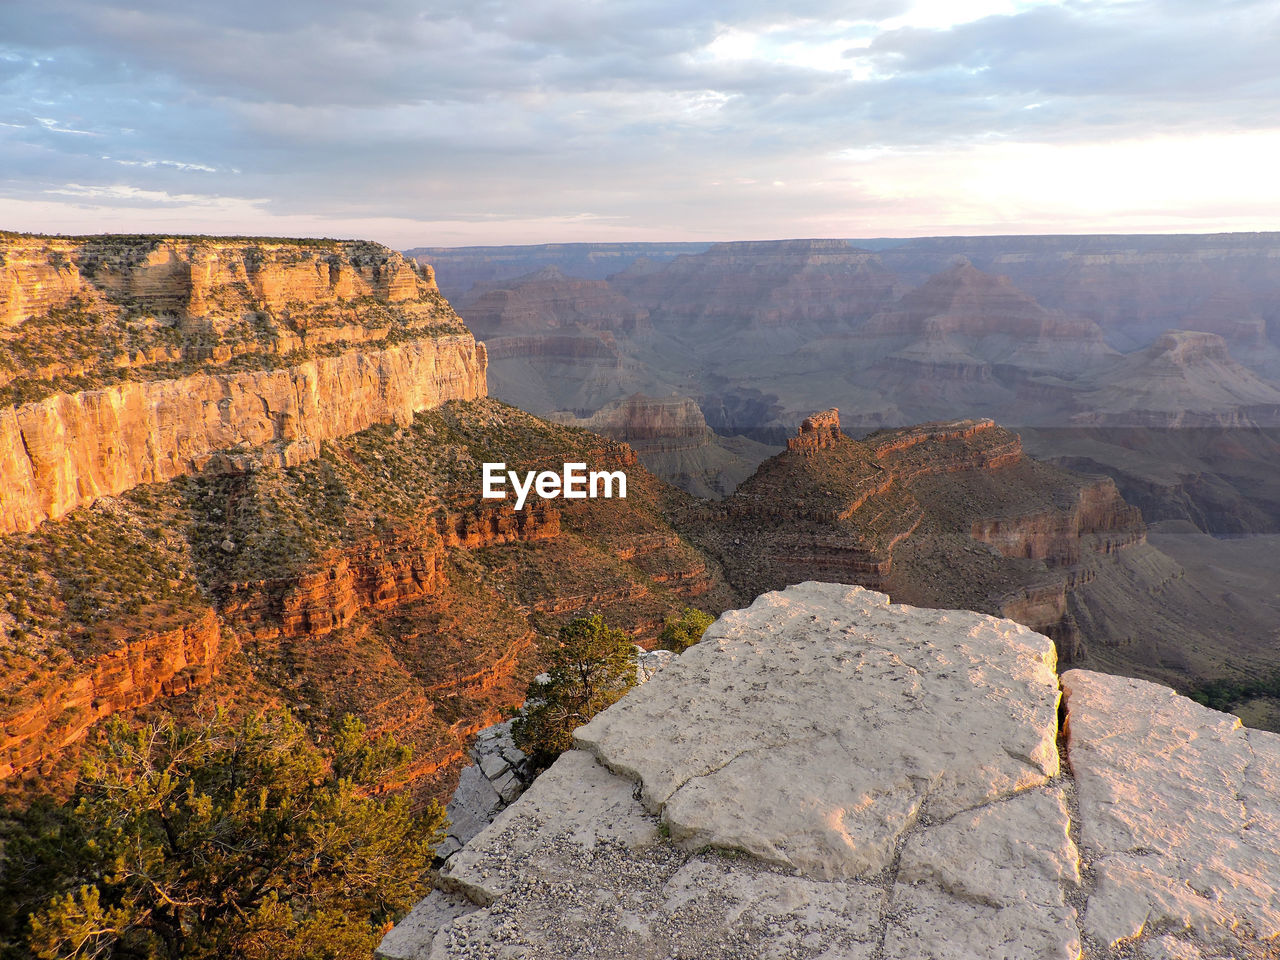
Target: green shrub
(228, 838)
(682, 632)
(591, 665)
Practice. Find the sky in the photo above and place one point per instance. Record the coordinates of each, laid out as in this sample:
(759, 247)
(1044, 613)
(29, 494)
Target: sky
(429, 123)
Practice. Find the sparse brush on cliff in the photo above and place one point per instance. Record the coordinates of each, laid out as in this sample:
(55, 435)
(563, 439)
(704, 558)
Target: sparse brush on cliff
(591, 666)
(224, 838)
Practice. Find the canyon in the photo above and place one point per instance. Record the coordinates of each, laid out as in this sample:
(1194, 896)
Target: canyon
(237, 471)
(248, 472)
(1151, 360)
(126, 316)
(671, 437)
(1038, 333)
(941, 514)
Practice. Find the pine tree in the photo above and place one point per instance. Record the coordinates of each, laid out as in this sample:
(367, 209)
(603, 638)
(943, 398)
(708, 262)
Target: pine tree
(230, 838)
(591, 665)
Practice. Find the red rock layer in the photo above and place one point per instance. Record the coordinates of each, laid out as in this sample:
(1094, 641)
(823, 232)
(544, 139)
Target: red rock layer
(66, 451)
(1055, 536)
(333, 337)
(951, 447)
(817, 432)
(840, 510)
(55, 711)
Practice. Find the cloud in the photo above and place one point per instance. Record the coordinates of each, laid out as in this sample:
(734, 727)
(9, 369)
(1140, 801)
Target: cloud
(645, 115)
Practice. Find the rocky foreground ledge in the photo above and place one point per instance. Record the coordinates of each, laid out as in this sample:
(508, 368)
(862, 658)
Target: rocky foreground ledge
(828, 775)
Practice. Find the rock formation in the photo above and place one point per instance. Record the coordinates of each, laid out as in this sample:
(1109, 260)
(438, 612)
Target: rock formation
(229, 473)
(817, 432)
(135, 360)
(547, 300)
(972, 339)
(370, 579)
(1184, 379)
(56, 709)
(966, 301)
(461, 269)
(1023, 331)
(904, 510)
(501, 771)
(671, 438)
(761, 285)
(1132, 286)
(830, 775)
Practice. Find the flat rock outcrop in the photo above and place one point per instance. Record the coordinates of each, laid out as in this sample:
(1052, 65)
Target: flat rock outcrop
(831, 775)
(1179, 812)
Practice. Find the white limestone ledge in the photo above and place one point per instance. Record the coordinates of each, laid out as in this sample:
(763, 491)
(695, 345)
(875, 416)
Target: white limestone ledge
(828, 775)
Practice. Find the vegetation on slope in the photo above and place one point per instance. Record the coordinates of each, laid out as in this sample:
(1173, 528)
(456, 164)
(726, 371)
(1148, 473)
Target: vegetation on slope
(271, 551)
(589, 667)
(220, 838)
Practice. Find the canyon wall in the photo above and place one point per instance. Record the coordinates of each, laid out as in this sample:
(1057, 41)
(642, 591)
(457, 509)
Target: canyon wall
(64, 451)
(199, 276)
(371, 579)
(548, 300)
(672, 439)
(56, 708)
(946, 513)
(1056, 535)
(136, 360)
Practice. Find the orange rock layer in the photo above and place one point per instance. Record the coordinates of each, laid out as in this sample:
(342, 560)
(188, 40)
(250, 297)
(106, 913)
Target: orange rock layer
(55, 711)
(114, 353)
(69, 449)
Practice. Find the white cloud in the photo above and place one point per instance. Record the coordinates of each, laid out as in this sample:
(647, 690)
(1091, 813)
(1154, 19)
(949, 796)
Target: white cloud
(576, 119)
(175, 164)
(125, 194)
(56, 126)
(944, 14)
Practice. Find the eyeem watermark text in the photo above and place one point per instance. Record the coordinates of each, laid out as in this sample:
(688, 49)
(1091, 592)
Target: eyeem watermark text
(573, 483)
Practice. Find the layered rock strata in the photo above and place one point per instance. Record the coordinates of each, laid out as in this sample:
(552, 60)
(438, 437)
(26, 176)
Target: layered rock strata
(131, 360)
(65, 451)
(548, 300)
(1185, 379)
(57, 710)
(761, 285)
(371, 580)
(817, 431)
(831, 775)
(833, 508)
(671, 437)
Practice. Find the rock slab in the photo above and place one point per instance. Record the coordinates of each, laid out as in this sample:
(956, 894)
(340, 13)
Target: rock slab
(816, 727)
(828, 775)
(1179, 813)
